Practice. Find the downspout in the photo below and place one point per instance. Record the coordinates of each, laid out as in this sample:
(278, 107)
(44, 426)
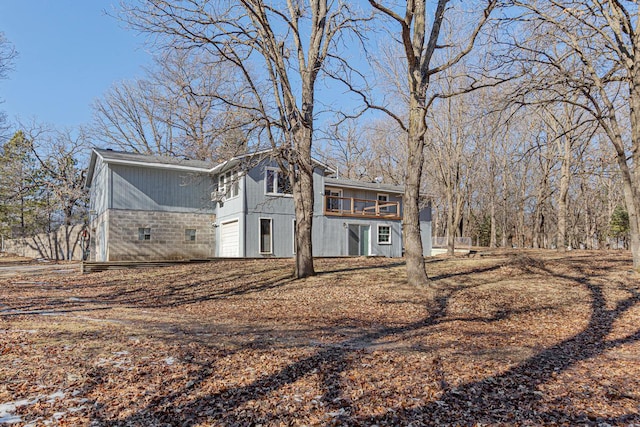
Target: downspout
(244, 216)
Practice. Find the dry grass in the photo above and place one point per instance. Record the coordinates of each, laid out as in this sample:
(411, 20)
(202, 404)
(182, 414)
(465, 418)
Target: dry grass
(533, 338)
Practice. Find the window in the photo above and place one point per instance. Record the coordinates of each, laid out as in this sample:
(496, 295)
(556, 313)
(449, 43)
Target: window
(229, 184)
(333, 201)
(144, 233)
(384, 235)
(276, 182)
(265, 236)
(383, 199)
(190, 234)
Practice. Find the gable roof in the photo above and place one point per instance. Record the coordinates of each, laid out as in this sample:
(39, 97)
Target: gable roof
(144, 160)
(175, 163)
(261, 155)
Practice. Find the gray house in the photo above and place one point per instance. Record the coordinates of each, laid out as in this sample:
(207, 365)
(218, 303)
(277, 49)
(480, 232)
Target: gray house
(154, 207)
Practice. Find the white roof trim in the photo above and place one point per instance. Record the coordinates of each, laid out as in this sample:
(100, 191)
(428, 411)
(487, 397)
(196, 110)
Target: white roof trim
(153, 165)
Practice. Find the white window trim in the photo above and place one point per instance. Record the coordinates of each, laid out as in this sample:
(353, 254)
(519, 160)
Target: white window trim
(225, 186)
(378, 234)
(275, 184)
(260, 236)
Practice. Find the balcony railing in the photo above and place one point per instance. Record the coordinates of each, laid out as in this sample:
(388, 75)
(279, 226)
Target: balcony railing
(363, 208)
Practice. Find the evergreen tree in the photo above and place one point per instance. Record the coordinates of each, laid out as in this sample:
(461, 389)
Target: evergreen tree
(619, 225)
(19, 176)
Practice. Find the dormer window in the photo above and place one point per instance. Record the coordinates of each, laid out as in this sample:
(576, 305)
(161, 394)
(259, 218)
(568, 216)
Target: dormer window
(276, 182)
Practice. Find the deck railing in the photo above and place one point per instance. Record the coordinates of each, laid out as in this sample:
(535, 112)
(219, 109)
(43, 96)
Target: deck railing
(363, 208)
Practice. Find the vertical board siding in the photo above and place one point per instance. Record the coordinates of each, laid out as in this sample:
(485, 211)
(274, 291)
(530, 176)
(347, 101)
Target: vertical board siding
(151, 189)
(98, 196)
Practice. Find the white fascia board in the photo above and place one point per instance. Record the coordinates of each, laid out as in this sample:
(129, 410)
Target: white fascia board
(154, 165)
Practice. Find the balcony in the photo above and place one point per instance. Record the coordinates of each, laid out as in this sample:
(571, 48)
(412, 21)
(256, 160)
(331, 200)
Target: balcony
(361, 208)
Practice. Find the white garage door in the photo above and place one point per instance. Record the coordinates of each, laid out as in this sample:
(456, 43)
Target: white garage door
(230, 239)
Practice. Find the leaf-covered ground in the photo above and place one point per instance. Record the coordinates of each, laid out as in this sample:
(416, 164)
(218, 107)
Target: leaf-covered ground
(529, 338)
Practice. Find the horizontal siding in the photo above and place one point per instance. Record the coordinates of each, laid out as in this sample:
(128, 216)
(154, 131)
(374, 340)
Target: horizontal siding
(150, 189)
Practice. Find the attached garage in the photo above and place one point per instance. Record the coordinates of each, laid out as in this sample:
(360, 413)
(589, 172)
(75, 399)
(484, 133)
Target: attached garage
(230, 239)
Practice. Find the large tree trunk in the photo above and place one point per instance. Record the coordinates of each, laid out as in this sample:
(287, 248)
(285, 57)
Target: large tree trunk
(416, 273)
(303, 194)
(631, 201)
(303, 201)
(631, 175)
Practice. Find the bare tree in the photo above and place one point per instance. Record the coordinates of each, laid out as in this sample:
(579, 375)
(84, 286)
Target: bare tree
(193, 93)
(177, 109)
(371, 150)
(130, 116)
(587, 53)
(425, 57)
(279, 49)
(450, 161)
(7, 55)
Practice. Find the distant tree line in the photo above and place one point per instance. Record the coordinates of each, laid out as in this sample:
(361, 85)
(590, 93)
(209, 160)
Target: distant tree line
(42, 183)
(516, 120)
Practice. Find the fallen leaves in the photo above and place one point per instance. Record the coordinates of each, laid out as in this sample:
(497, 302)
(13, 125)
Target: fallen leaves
(530, 339)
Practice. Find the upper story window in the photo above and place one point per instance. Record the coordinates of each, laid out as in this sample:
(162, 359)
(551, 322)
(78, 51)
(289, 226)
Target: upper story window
(276, 182)
(382, 200)
(229, 184)
(334, 201)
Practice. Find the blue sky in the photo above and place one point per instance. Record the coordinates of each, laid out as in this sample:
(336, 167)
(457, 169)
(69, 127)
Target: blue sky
(70, 53)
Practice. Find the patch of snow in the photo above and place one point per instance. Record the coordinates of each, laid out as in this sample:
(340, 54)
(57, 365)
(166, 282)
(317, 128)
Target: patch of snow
(121, 353)
(76, 299)
(9, 419)
(169, 360)
(57, 395)
(6, 410)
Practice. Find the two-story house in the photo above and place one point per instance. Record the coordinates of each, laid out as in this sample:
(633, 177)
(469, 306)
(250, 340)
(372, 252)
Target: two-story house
(153, 207)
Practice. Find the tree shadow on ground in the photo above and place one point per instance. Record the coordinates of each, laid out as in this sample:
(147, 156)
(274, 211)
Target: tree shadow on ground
(513, 397)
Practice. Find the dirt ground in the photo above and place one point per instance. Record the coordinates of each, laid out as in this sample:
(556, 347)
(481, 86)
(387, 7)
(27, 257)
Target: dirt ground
(525, 338)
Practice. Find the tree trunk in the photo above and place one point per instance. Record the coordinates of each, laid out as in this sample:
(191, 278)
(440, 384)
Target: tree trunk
(492, 212)
(631, 175)
(505, 211)
(451, 221)
(416, 273)
(303, 201)
(562, 196)
(301, 173)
